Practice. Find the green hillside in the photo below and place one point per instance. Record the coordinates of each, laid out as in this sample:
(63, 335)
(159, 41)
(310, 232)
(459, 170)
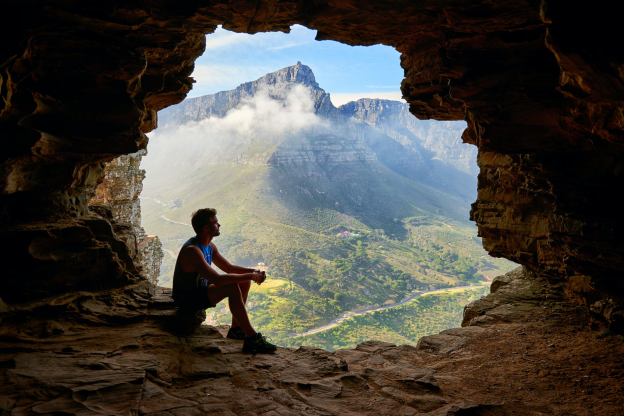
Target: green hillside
(345, 208)
(272, 215)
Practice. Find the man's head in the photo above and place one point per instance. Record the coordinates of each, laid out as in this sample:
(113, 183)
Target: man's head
(205, 221)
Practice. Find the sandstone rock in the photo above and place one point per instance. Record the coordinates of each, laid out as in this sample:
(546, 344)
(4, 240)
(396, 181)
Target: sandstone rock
(539, 85)
(117, 199)
(468, 331)
(442, 344)
(612, 311)
(465, 408)
(374, 346)
(499, 281)
(519, 297)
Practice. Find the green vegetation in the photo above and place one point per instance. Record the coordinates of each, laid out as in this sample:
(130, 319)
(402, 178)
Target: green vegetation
(396, 235)
(276, 309)
(289, 221)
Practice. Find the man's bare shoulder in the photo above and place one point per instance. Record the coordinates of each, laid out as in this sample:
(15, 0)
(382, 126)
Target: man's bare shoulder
(190, 251)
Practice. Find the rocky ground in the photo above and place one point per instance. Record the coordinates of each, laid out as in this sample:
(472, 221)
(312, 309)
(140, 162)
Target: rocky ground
(524, 351)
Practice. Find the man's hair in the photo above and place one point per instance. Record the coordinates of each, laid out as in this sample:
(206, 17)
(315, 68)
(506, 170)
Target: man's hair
(201, 218)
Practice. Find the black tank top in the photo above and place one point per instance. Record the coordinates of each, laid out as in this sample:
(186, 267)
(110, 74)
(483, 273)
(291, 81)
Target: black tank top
(183, 281)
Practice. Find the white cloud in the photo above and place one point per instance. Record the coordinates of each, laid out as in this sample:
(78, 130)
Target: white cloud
(261, 113)
(289, 45)
(339, 99)
(260, 121)
(222, 38)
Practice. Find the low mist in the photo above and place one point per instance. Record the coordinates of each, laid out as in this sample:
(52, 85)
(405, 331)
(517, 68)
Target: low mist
(258, 124)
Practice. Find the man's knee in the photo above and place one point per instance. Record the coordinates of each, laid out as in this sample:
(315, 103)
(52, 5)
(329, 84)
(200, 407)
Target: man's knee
(232, 289)
(245, 286)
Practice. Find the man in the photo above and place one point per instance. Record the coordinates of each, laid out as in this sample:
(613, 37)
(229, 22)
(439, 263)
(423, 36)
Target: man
(196, 285)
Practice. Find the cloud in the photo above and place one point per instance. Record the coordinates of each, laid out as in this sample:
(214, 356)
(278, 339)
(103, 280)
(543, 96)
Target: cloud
(262, 113)
(222, 38)
(260, 122)
(339, 99)
(290, 45)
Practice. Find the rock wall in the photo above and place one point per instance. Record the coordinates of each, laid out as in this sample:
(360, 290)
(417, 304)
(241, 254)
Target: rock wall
(541, 87)
(117, 199)
(539, 84)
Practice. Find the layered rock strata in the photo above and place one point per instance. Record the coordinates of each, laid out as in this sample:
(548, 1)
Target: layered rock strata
(117, 199)
(540, 89)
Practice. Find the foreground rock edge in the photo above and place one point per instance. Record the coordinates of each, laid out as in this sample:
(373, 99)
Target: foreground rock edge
(124, 351)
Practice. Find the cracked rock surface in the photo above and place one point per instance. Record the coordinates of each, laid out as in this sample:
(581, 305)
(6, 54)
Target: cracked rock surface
(121, 352)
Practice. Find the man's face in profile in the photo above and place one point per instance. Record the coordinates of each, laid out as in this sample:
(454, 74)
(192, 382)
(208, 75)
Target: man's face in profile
(214, 227)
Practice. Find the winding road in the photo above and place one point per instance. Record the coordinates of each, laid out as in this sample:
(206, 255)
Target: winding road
(175, 222)
(357, 312)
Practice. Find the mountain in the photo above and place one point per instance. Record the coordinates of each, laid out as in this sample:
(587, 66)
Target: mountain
(346, 206)
(279, 83)
(365, 130)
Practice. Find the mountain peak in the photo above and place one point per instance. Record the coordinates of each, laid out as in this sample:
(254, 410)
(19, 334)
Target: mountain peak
(299, 74)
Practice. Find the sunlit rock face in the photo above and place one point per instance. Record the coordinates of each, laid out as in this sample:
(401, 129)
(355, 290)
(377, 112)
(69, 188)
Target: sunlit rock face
(117, 199)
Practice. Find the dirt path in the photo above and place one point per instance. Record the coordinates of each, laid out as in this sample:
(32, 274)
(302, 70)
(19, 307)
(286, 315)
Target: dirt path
(164, 217)
(171, 253)
(363, 311)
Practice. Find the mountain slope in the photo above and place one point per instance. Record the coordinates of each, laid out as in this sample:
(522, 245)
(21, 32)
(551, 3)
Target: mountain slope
(288, 171)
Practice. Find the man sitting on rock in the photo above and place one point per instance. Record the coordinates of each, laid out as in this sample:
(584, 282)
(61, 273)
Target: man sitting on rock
(196, 285)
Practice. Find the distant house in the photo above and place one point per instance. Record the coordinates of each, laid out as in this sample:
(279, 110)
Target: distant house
(261, 264)
(346, 234)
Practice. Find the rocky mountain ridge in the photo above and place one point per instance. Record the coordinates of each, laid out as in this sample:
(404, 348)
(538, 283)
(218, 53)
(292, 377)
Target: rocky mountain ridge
(366, 130)
(277, 83)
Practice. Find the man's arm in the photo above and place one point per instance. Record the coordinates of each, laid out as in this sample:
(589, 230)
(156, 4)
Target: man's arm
(192, 259)
(225, 265)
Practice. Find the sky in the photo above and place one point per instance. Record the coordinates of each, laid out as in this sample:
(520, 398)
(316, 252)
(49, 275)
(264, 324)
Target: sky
(346, 72)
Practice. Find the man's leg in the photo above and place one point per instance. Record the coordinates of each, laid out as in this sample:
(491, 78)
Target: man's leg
(244, 289)
(237, 305)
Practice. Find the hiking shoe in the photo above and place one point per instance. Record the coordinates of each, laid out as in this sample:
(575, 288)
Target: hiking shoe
(236, 333)
(258, 344)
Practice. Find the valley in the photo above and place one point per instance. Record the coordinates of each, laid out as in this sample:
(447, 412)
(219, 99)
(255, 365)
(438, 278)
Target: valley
(347, 208)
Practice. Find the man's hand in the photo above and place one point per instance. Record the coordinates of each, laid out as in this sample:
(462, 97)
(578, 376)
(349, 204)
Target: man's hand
(258, 276)
(263, 274)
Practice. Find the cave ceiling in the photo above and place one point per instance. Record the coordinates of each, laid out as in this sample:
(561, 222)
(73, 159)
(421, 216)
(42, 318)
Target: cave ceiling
(539, 84)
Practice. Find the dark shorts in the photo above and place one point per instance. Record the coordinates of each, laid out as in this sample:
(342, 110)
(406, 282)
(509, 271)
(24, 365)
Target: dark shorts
(193, 300)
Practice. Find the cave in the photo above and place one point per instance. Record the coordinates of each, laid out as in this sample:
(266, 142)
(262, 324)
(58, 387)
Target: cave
(84, 331)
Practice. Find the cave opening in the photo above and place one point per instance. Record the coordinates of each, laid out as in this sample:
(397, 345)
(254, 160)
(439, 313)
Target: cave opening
(321, 177)
(540, 88)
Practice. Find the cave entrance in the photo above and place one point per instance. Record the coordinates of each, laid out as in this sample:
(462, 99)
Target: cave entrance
(323, 177)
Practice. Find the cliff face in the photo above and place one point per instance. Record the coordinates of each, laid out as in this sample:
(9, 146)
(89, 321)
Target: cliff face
(202, 130)
(277, 84)
(117, 199)
(431, 152)
(319, 134)
(394, 119)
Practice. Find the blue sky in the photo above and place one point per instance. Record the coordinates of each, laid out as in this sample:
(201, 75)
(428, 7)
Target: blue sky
(346, 72)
